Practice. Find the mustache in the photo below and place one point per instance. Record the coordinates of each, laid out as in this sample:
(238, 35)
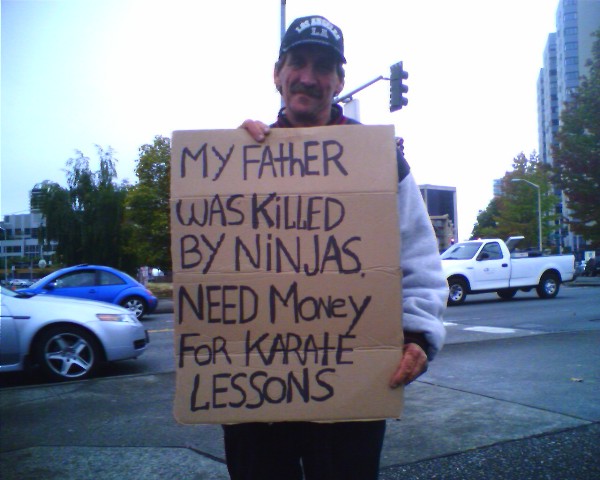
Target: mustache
(306, 90)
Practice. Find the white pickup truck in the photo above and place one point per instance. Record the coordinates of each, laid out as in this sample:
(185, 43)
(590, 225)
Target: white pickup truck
(491, 265)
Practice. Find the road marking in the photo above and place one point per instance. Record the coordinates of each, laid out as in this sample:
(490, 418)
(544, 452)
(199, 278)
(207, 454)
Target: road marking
(161, 331)
(490, 329)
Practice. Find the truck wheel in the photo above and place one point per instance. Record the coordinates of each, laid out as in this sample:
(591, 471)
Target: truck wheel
(458, 291)
(507, 293)
(549, 285)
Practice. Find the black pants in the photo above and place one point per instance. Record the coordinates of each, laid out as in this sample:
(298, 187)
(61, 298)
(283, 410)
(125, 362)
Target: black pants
(323, 451)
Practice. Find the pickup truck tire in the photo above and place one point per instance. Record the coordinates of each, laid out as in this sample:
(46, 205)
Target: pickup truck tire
(507, 293)
(549, 285)
(458, 291)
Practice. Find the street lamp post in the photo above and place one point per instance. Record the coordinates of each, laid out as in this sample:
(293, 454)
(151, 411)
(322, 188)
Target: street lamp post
(539, 207)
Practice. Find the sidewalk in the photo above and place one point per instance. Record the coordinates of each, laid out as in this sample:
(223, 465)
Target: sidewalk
(466, 418)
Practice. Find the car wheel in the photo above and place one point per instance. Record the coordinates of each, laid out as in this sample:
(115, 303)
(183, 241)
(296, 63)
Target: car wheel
(136, 304)
(507, 293)
(458, 291)
(67, 353)
(549, 286)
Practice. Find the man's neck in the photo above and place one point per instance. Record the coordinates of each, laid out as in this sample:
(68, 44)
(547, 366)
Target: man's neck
(307, 120)
(334, 115)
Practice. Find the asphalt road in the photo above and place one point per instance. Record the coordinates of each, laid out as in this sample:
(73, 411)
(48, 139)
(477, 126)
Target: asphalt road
(514, 394)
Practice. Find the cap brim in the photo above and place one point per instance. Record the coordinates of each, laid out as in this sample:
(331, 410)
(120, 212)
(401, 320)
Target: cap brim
(315, 42)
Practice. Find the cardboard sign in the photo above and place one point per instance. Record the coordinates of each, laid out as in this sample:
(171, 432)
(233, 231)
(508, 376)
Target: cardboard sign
(287, 286)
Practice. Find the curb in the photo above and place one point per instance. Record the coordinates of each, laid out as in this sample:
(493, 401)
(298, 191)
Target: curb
(584, 282)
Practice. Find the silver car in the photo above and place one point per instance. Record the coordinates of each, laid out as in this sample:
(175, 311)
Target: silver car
(66, 338)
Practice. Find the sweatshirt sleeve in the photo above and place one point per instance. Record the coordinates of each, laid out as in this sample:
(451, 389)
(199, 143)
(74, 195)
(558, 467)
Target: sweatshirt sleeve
(424, 287)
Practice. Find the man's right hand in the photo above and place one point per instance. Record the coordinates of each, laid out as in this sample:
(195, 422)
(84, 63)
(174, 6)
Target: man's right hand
(257, 130)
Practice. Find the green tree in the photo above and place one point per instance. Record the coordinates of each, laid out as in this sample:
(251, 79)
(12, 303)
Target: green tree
(148, 228)
(86, 217)
(486, 226)
(577, 152)
(515, 212)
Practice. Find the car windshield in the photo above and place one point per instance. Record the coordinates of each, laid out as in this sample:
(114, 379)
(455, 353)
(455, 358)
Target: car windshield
(11, 293)
(37, 283)
(462, 251)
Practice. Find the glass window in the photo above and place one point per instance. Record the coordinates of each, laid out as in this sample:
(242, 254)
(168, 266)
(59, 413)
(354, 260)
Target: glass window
(571, 76)
(493, 250)
(76, 279)
(462, 251)
(109, 278)
(571, 46)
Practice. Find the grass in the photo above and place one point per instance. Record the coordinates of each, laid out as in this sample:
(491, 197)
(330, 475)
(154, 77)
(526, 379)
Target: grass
(161, 290)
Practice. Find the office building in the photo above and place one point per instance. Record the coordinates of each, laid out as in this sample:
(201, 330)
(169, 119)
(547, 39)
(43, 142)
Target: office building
(564, 62)
(22, 245)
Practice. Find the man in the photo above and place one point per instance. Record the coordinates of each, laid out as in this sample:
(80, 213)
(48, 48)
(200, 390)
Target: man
(309, 74)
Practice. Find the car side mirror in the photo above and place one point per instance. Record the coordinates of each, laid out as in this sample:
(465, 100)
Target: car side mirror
(483, 256)
(50, 286)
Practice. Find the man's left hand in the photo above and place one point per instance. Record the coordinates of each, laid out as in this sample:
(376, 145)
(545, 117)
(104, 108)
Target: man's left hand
(412, 365)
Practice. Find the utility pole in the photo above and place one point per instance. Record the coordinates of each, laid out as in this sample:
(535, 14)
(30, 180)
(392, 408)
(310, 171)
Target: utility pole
(282, 33)
(282, 19)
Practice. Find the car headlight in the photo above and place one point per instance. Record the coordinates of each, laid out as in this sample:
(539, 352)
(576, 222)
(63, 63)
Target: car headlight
(116, 317)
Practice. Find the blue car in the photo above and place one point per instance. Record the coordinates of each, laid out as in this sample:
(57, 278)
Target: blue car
(96, 282)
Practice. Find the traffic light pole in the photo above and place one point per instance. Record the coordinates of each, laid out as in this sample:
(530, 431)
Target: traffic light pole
(397, 75)
(397, 88)
(348, 96)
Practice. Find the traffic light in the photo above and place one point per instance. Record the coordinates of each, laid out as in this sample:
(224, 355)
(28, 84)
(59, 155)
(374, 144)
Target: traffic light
(397, 88)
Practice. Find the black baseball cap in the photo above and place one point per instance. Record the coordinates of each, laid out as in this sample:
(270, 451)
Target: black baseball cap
(313, 30)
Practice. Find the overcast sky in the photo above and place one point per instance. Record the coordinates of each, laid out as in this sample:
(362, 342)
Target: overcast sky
(116, 73)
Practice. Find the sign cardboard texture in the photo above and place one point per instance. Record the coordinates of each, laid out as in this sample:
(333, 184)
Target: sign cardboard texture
(287, 285)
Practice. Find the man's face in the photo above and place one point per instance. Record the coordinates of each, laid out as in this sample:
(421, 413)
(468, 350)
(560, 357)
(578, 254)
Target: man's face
(308, 81)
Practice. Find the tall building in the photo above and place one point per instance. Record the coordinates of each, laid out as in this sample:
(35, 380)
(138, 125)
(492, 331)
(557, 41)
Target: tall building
(441, 206)
(564, 62)
(547, 101)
